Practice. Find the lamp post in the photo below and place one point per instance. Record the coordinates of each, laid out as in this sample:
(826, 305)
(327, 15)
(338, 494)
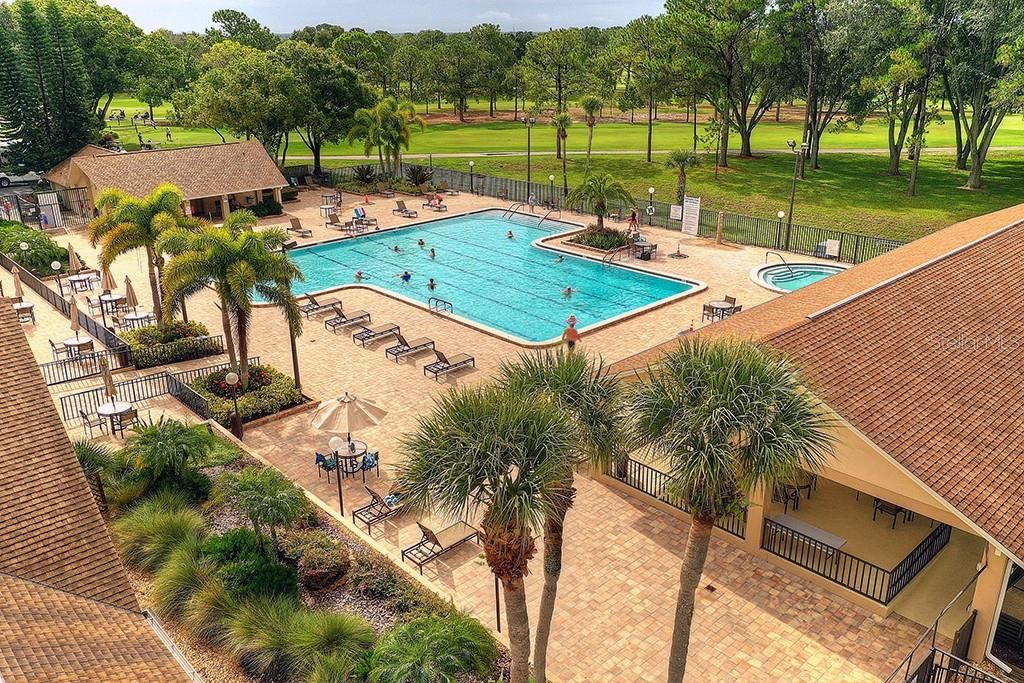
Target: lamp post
(529, 122)
(778, 242)
(335, 444)
(55, 265)
(551, 195)
(471, 165)
(650, 206)
(232, 379)
(798, 155)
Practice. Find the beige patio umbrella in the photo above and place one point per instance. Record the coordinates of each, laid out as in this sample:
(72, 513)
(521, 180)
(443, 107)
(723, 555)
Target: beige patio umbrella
(74, 265)
(108, 379)
(107, 283)
(73, 313)
(345, 415)
(16, 274)
(130, 300)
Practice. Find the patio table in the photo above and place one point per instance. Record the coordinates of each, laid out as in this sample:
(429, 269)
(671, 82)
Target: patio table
(327, 209)
(112, 409)
(111, 300)
(81, 282)
(25, 310)
(828, 542)
(138, 318)
(78, 344)
(347, 458)
(722, 308)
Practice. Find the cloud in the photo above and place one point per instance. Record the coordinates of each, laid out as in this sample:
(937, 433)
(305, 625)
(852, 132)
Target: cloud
(495, 16)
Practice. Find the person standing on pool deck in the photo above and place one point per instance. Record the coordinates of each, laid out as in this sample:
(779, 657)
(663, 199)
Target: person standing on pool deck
(571, 334)
(532, 201)
(634, 224)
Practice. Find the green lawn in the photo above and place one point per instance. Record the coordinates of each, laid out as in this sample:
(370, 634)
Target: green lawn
(850, 192)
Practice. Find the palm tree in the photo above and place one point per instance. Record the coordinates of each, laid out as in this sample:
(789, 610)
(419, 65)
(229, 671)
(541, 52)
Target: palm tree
(487, 449)
(127, 223)
(591, 106)
(265, 496)
(561, 122)
(681, 160)
(388, 127)
(589, 397)
(599, 191)
(239, 263)
(725, 417)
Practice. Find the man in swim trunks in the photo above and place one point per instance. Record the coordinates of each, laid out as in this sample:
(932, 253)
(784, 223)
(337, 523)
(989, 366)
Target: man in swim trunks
(571, 334)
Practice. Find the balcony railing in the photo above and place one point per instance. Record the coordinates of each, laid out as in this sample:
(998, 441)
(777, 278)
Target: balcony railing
(849, 571)
(653, 482)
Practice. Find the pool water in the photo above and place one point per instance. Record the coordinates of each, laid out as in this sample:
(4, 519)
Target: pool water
(792, 277)
(506, 284)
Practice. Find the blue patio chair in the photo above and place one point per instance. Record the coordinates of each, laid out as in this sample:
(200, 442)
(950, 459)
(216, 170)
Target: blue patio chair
(325, 464)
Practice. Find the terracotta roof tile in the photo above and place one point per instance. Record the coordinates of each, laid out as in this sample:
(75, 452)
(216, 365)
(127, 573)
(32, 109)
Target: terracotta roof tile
(59, 173)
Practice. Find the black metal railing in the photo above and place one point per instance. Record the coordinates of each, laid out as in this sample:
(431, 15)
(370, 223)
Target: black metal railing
(195, 401)
(28, 279)
(859, 575)
(48, 209)
(770, 233)
(136, 390)
(84, 365)
(939, 666)
(189, 348)
(654, 483)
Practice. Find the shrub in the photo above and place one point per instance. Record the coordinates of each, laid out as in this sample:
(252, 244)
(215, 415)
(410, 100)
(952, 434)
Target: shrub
(605, 239)
(321, 560)
(41, 252)
(432, 649)
(258, 378)
(257, 632)
(232, 546)
(377, 577)
(166, 453)
(289, 194)
(364, 173)
(193, 485)
(93, 457)
(246, 570)
(209, 610)
(151, 530)
(266, 400)
(417, 175)
(170, 342)
(313, 637)
(182, 575)
(268, 207)
(264, 495)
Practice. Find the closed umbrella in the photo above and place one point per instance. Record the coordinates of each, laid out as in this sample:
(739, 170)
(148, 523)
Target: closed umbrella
(347, 414)
(16, 274)
(107, 283)
(108, 379)
(130, 300)
(74, 265)
(75, 326)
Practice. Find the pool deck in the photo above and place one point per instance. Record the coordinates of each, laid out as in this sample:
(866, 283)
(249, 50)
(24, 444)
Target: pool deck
(616, 597)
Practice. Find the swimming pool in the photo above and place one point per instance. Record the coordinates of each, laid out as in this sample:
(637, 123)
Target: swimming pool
(789, 277)
(514, 286)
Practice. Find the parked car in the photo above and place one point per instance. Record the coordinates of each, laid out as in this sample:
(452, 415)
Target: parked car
(8, 178)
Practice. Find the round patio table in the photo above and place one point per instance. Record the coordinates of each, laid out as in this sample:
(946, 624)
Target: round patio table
(136, 318)
(112, 409)
(721, 307)
(327, 209)
(111, 299)
(80, 282)
(347, 458)
(78, 344)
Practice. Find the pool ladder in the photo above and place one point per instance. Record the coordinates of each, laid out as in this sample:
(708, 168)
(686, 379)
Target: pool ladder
(511, 210)
(437, 305)
(555, 210)
(781, 258)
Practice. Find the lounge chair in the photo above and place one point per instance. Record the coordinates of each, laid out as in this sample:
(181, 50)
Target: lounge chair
(443, 187)
(402, 210)
(435, 205)
(334, 223)
(376, 512)
(295, 225)
(341, 319)
(375, 333)
(309, 181)
(407, 348)
(383, 191)
(444, 365)
(432, 546)
(360, 216)
(314, 306)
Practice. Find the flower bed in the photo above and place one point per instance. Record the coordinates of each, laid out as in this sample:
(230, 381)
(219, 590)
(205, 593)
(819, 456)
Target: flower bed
(269, 391)
(171, 342)
(605, 239)
(41, 252)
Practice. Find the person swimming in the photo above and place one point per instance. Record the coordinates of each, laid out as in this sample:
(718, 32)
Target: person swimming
(568, 292)
(397, 249)
(421, 243)
(432, 254)
(510, 235)
(559, 259)
(359, 276)
(431, 284)
(406, 276)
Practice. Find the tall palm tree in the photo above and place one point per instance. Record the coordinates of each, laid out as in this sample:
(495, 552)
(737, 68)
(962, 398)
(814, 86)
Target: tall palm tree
(589, 396)
(388, 127)
(725, 417)
(681, 160)
(599, 191)
(239, 263)
(591, 106)
(485, 449)
(126, 223)
(561, 122)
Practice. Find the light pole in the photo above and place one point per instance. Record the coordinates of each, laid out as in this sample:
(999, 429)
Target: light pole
(798, 155)
(335, 444)
(551, 195)
(471, 165)
(650, 206)
(233, 379)
(56, 269)
(778, 242)
(529, 122)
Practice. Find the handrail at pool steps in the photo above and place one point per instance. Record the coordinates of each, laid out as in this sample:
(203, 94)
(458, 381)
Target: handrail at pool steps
(437, 305)
(770, 233)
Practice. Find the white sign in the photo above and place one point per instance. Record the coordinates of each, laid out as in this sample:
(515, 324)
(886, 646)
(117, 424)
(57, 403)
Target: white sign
(691, 215)
(675, 212)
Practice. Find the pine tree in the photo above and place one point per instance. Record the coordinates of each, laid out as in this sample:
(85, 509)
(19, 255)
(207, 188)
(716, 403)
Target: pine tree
(72, 90)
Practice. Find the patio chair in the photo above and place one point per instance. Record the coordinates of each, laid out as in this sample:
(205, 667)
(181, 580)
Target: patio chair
(342, 319)
(407, 348)
(295, 225)
(59, 350)
(369, 461)
(128, 418)
(424, 188)
(94, 306)
(82, 350)
(92, 423)
(432, 546)
(443, 187)
(734, 310)
(375, 333)
(314, 306)
(731, 300)
(402, 210)
(378, 510)
(309, 181)
(443, 365)
(383, 191)
(325, 465)
(786, 494)
(708, 313)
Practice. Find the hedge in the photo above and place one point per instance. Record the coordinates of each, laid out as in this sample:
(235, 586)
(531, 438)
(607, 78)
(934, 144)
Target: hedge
(605, 239)
(41, 252)
(272, 398)
(171, 342)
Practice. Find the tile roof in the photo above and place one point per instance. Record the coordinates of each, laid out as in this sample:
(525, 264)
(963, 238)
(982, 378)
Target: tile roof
(59, 173)
(201, 171)
(52, 536)
(921, 350)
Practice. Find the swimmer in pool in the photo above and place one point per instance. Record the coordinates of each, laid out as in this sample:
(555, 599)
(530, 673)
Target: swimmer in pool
(359, 276)
(568, 292)
(397, 249)
(421, 243)
(432, 254)
(559, 259)
(510, 235)
(431, 284)
(406, 276)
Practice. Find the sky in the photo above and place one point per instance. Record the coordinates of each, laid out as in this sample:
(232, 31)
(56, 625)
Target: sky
(392, 15)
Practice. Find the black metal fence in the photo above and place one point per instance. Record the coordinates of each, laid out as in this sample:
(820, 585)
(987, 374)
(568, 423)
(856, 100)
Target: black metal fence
(195, 401)
(84, 365)
(849, 571)
(654, 483)
(47, 209)
(29, 280)
(770, 233)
